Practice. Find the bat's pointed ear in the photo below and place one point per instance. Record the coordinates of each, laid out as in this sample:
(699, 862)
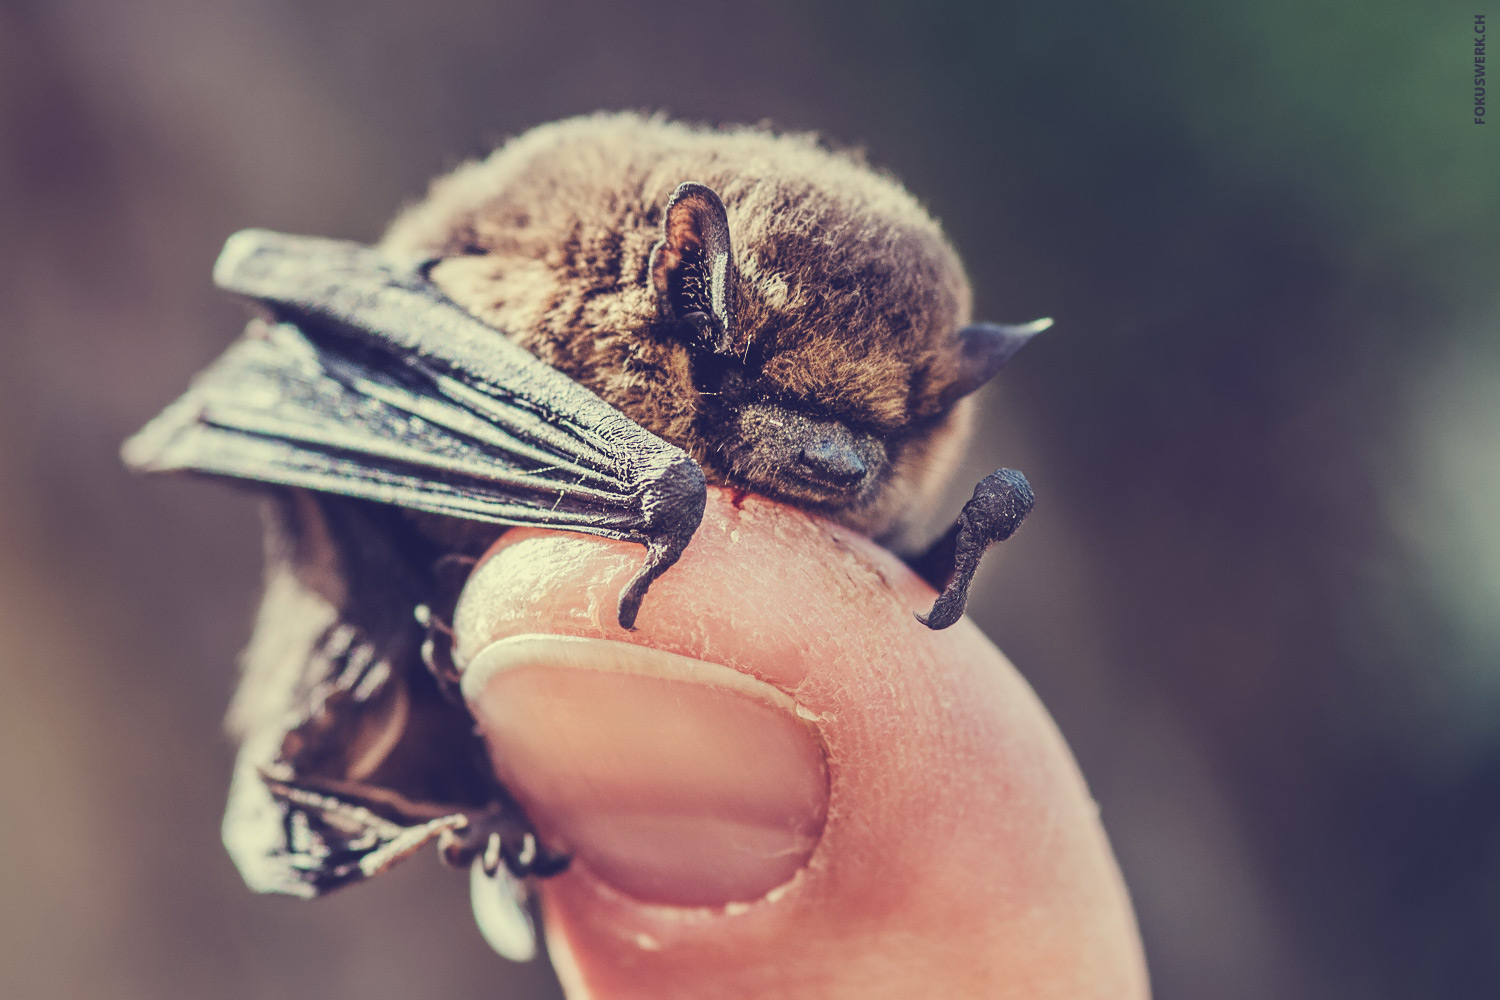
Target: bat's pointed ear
(692, 266)
(984, 349)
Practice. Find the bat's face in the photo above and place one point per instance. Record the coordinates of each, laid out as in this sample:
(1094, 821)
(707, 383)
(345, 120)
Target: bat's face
(795, 321)
(814, 418)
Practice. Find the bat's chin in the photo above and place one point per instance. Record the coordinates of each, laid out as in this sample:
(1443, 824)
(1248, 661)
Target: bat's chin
(805, 491)
(828, 493)
(796, 484)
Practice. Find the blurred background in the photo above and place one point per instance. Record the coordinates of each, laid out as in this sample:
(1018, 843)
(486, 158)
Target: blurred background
(1261, 589)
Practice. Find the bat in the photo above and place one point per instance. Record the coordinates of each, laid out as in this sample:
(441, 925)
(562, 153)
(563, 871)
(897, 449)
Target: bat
(574, 333)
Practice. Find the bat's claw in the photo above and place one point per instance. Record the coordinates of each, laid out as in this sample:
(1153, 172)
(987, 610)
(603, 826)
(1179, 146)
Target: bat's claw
(501, 835)
(1000, 502)
(673, 509)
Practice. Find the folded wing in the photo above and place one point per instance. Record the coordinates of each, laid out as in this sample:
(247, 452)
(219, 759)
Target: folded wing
(366, 381)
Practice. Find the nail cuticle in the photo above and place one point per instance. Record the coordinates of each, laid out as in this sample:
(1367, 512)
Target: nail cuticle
(666, 916)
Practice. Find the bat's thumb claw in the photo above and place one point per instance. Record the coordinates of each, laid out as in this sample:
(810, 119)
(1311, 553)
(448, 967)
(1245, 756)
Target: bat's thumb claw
(947, 609)
(673, 507)
(630, 605)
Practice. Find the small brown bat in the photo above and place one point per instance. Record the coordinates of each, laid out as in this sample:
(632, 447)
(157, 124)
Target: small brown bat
(794, 320)
(726, 306)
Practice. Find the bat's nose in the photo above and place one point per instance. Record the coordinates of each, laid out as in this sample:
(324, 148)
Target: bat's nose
(832, 461)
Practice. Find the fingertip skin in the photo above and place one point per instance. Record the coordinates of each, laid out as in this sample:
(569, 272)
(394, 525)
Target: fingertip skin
(961, 856)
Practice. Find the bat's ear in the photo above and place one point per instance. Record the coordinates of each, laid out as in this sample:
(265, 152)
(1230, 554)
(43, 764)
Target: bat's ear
(984, 348)
(692, 267)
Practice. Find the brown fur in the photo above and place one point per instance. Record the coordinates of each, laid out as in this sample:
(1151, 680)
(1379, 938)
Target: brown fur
(847, 288)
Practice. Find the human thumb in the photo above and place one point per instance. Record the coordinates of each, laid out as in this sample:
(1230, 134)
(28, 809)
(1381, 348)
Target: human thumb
(781, 784)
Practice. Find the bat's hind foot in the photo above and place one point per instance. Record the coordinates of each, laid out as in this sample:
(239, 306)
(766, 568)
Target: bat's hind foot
(500, 835)
(1000, 502)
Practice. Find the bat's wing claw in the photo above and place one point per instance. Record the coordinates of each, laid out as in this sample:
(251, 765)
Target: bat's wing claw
(1000, 502)
(673, 507)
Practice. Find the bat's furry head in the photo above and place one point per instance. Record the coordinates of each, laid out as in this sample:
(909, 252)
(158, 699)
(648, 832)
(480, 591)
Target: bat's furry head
(826, 366)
